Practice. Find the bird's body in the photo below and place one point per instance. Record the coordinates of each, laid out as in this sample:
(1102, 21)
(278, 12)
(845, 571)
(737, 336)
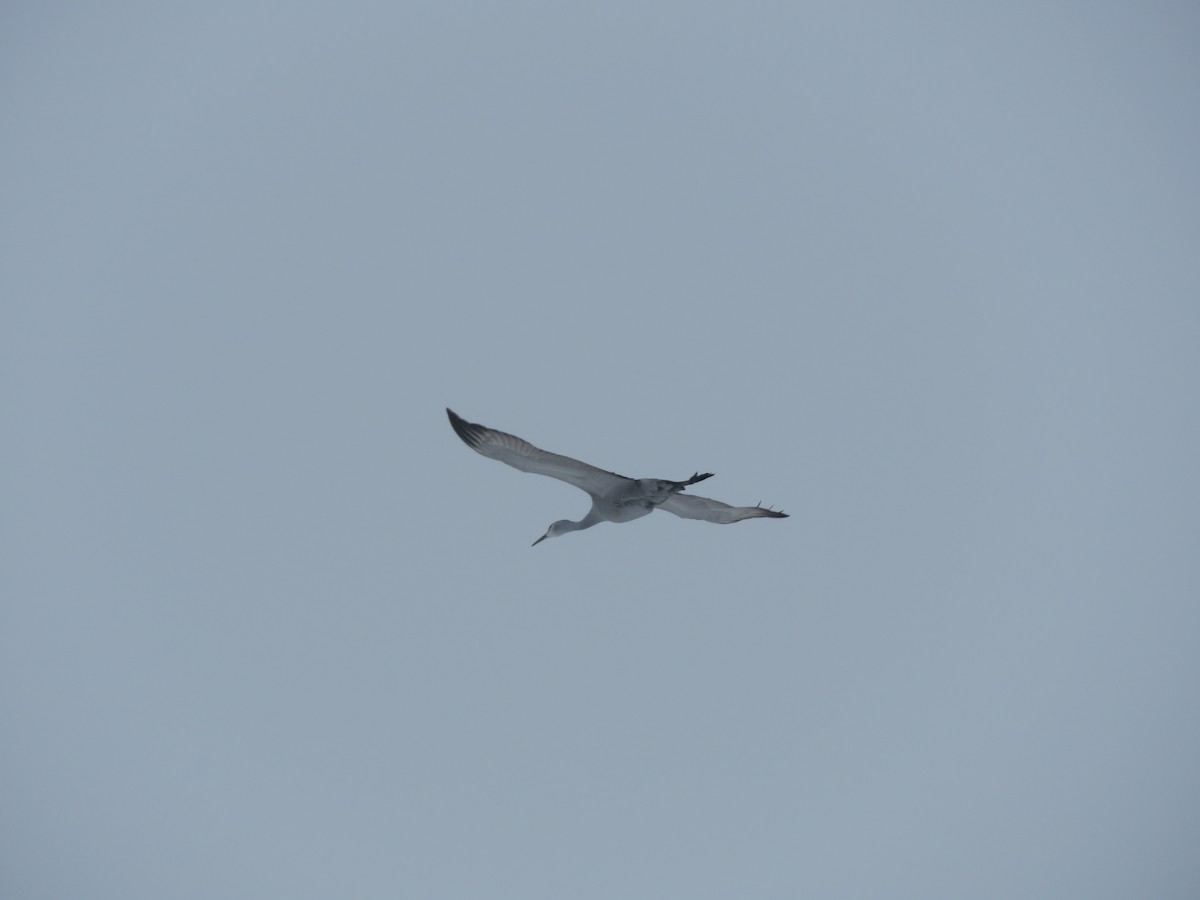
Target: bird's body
(615, 498)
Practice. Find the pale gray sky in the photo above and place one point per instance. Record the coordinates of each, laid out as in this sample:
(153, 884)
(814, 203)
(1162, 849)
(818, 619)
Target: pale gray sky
(926, 275)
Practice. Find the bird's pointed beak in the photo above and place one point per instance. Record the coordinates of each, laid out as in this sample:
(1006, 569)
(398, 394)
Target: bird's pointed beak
(539, 540)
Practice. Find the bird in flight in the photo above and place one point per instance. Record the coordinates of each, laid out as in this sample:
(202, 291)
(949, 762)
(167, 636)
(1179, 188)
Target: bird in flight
(615, 498)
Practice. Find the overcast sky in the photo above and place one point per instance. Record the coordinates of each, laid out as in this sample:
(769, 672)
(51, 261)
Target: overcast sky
(926, 276)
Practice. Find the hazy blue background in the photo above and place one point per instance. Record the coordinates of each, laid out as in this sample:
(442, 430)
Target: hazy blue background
(928, 277)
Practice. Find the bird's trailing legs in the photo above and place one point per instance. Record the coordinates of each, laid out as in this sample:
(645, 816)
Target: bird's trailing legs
(656, 490)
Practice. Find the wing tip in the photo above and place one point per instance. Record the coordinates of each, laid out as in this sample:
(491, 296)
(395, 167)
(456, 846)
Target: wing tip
(770, 513)
(470, 433)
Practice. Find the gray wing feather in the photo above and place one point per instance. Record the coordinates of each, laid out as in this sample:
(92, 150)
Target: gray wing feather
(520, 454)
(689, 506)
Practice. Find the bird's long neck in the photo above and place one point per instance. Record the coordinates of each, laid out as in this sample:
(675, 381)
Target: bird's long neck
(587, 521)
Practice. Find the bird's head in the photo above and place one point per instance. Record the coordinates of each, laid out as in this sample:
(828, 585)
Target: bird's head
(560, 527)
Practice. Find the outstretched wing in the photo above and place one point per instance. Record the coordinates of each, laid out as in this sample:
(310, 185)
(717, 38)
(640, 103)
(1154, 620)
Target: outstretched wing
(520, 454)
(689, 506)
